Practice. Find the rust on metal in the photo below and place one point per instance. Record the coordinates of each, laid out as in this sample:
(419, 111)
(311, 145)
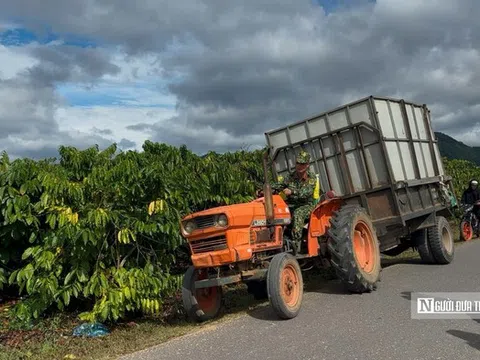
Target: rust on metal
(380, 204)
(260, 236)
(220, 281)
(268, 193)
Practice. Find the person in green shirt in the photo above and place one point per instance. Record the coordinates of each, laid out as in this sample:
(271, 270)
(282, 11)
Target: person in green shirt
(298, 187)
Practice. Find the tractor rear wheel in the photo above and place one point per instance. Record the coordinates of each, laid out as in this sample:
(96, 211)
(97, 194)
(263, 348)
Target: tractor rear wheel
(200, 304)
(285, 285)
(354, 249)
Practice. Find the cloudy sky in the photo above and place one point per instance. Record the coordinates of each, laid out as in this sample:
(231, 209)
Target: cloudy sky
(216, 74)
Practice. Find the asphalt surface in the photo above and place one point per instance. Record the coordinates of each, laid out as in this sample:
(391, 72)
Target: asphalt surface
(335, 325)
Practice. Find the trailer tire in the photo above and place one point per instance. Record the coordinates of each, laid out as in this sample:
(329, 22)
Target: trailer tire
(440, 238)
(285, 285)
(354, 249)
(202, 304)
(422, 243)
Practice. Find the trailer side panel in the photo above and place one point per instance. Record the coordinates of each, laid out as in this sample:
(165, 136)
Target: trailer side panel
(362, 146)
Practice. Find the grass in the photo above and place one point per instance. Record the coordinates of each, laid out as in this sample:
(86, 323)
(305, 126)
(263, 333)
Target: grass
(51, 338)
(52, 342)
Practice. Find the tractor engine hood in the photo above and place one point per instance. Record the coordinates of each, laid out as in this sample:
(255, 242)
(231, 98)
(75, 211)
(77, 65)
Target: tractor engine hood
(238, 216)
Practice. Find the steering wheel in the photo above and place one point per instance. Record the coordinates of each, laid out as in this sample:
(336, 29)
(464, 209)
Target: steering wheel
(259, 193)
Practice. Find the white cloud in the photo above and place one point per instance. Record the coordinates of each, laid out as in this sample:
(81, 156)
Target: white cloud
(143, 67)
(116, 119)
(134, 94)
(14, 60)
(234, 71)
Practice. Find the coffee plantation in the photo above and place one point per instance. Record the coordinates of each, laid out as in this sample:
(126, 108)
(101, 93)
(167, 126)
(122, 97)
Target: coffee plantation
(99, 230)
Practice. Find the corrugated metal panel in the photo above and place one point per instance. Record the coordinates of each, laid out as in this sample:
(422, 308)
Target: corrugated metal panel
(365, 132)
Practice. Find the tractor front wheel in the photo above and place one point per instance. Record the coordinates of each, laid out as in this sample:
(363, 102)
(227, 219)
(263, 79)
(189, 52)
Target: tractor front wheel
(200, 304)
(354, 249)
(285, 285)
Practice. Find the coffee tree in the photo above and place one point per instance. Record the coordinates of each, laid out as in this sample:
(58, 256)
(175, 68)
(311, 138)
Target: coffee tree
(461, 171)
(99, 229)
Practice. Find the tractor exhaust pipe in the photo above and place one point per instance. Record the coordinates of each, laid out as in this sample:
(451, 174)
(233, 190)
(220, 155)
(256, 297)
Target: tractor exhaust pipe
(267, 192)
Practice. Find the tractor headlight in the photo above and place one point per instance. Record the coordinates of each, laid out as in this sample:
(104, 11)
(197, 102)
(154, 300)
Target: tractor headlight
(189, 227)
(222, 220)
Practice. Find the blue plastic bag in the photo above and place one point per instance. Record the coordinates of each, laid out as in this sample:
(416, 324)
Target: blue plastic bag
(91, 330)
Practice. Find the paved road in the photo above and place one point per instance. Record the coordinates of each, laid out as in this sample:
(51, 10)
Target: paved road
(336, 325)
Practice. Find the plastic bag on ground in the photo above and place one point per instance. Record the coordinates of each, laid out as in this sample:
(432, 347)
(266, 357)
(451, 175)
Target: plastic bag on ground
(90, 330)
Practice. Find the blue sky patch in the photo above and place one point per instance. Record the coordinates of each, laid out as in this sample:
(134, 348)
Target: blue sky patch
(331, 5)
(125, 95)
(19, 36)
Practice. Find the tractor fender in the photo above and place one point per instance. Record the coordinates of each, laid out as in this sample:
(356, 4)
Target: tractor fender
(320, 222)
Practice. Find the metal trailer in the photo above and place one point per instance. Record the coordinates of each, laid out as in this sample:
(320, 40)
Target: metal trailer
(378, 152)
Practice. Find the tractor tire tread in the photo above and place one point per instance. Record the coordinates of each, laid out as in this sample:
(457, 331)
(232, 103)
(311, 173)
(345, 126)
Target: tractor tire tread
(190, 303)
(273, 285)
(340, 247)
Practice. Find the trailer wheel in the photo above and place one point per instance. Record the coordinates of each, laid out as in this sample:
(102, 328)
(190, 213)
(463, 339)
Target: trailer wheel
(200, 304)
(440, 238)
(285, 285)
(466, 230)
(354, 249)
(421, 242)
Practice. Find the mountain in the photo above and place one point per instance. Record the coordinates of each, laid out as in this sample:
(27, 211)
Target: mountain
(453, 149)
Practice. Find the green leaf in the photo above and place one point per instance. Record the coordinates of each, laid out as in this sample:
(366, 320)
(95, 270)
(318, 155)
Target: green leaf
(69, 277)
(104, 312)
(66, 297)
(27, 253)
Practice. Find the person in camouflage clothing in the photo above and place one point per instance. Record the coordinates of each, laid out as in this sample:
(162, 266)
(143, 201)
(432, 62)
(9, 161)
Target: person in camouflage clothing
(298, 187)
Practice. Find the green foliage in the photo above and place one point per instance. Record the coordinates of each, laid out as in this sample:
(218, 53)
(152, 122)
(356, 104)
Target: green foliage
(99, 229)
(461, 171)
